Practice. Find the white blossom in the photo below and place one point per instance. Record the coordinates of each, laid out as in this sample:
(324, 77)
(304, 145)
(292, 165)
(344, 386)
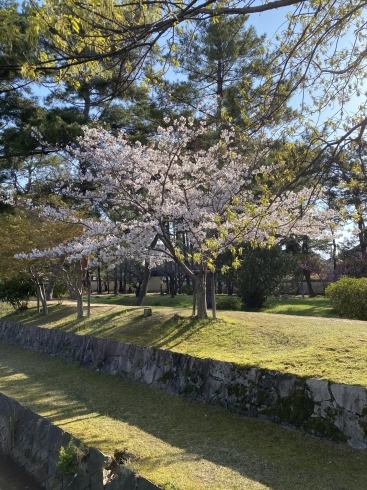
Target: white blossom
(208, 195)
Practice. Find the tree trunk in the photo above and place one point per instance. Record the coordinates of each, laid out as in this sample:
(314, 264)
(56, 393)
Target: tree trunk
(214, 306)
(361, 236)
(144, 285)
(115, 284)
(173, 286)
(306, 272)
(49, 290)
(200, 281)
(44, 299)
(88, 293)
(41, 298)
(194, 299)
(209, 280)
(333, 258)
(99, 282)
(38, 301)
(307, 275)
(79, 290)
(229, 288)
(79, 306)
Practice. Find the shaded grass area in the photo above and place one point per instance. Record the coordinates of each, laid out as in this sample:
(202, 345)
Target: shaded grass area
(151, 299)
(295, 305)
(325, 348)
(177, 443)
(286, 305)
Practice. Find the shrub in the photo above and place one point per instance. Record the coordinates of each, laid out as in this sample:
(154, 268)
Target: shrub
(70, 457)
(17, 291)
(60, 290)
(263, 272)
(187, 289)
(228, 303)
(349, 297)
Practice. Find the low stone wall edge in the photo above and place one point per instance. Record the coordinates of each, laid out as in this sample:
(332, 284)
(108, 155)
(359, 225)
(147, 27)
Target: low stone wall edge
(34, 443)
(334, 411)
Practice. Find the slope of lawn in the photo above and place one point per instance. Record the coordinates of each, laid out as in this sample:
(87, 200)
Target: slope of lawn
(286, 305)
(319, 306)
(325, 348)
(178, 444)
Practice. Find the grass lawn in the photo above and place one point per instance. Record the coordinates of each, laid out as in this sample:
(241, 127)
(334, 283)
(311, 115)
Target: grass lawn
(176, 443)
(326, 348)
(295, 305)
(285, 305)
(152, 299)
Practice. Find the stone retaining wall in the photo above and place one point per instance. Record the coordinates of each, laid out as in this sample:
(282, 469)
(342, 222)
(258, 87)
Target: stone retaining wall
(34, 444)
(335, 411)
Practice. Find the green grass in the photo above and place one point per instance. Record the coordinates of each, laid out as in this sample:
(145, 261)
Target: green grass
(295, 305)
(153, 299)
(189, 445)
(326, 348)
(285, 305)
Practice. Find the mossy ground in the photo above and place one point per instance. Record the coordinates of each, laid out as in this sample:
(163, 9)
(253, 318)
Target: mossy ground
(175, 442)
(326, 348)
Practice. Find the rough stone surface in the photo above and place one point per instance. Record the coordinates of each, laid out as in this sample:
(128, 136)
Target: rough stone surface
(357, 444)
(351, 398)
(335, 411)
(34, 443)
(319, 389)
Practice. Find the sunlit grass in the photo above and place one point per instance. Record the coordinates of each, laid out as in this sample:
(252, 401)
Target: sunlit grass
(325, 348)
(188, 445)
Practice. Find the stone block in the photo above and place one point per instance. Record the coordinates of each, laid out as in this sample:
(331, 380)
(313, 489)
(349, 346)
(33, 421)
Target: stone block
(356, 444)
(124, 366)
(96, 481)
(327, 408)
(151, 372)
(286, 386)
(349, 425)
(143, 484)
(124, 479)
(222, 371)
(351, 398)
(163, 358)
(213, 388)
(319, 389)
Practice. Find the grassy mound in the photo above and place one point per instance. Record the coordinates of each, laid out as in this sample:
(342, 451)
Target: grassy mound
(178, 444)
(326, 348)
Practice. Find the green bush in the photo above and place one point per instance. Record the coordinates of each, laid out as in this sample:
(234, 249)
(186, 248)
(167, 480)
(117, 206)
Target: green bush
(263, 272)
(60, 290)
(187, 289)
(228, 303)
(17, 291)
(70, 457)
(349, 297)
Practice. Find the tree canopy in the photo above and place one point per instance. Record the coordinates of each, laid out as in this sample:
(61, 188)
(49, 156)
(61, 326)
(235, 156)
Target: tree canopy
(320, 47)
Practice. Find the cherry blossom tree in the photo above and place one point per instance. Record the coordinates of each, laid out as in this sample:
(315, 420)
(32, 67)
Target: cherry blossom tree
(218, 196)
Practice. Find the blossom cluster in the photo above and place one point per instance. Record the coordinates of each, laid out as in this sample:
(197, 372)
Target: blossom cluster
(150, 196)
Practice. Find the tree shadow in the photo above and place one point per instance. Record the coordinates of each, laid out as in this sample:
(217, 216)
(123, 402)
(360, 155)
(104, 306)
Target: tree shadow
(271, 455)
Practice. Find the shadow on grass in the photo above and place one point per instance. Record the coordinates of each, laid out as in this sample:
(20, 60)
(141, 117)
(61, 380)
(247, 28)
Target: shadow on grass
(307, 311)
(155, 331)
(62, 312)
(318, 306)
(81, 400)
(179, 301)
